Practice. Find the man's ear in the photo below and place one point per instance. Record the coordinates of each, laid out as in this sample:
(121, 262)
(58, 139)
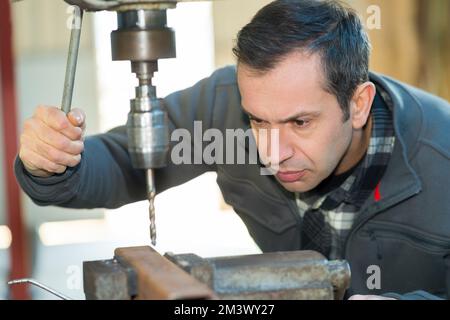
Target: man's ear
(361, 104)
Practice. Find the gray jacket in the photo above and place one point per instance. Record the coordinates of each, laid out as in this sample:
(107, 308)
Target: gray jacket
(406, 233)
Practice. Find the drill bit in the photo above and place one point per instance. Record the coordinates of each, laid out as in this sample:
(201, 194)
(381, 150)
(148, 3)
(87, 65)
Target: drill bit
(151, 193)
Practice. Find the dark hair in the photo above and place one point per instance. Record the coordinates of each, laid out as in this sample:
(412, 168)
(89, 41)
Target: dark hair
(325, 27)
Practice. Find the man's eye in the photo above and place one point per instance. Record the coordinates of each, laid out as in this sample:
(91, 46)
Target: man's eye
(301, 123)
(256, 121)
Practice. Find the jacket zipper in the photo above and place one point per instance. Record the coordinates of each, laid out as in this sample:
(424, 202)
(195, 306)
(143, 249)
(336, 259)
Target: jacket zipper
(435, 245)
(370, 215)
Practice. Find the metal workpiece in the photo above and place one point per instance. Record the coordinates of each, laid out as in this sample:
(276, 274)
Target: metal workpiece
(140, 273)
(196, 266)
(160, 279)
(108, 280)
(297, 275)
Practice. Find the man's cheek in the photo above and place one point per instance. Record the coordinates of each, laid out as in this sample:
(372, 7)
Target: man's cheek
(324, 161)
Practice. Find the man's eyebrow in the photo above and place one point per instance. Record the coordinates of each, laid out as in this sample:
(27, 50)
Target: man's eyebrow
(251, 115)
(313, 114)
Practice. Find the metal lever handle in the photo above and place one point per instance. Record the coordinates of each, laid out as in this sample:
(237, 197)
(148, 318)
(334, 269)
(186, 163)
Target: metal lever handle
(40, 285)
(72, 59)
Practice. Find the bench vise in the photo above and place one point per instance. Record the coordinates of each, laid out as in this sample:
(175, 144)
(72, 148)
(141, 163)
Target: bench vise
(142, 273)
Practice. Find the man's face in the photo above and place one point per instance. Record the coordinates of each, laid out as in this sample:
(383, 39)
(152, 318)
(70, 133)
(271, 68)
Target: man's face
(313, 137)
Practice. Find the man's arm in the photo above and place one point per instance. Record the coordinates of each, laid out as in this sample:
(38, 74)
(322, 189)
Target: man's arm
(105, 177)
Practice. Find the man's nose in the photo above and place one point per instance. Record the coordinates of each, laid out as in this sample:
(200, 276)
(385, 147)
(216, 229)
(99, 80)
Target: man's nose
(286, 150)
(279, 147)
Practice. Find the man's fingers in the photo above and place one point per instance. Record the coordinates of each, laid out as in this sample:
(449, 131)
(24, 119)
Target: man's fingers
(59, 121)
(73, 133)
(51, 141)
(77, 117)
(35, 162)
(53, 117)
(56, 139)
(52, 158)
(56, 156)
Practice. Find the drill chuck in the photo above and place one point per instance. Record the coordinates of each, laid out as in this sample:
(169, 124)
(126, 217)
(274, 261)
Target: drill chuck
(148, 131)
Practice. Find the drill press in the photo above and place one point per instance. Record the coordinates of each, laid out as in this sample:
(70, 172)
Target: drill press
(142, 37)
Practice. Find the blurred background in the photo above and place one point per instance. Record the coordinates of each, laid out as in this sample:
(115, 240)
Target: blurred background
(410, 39)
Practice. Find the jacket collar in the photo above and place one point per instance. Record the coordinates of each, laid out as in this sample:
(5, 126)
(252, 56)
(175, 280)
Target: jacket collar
(400, 180)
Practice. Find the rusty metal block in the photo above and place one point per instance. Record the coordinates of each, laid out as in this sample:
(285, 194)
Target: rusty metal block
(196, 266)
(160, 279)
(108, 280)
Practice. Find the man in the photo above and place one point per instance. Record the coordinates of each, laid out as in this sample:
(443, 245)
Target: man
(363, 159)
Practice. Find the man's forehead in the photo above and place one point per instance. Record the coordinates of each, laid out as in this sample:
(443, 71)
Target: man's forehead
(289, 79)
(296, 72)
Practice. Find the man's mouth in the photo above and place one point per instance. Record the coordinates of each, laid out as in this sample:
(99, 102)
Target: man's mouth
(290, 176)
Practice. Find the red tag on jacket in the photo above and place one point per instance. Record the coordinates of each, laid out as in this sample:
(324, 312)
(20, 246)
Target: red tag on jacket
(377, 194)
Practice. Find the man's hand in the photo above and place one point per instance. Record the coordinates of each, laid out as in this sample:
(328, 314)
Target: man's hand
(368, 297)
(51, 141)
